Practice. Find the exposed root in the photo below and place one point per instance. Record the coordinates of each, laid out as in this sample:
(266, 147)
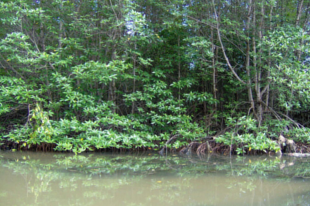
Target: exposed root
(172, 139)
(208, 146)
(277, 115)
(203, 149)
(192, 148)
(183, 150)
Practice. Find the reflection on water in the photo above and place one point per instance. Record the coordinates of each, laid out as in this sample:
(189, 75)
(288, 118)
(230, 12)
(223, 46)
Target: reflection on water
(150, 179)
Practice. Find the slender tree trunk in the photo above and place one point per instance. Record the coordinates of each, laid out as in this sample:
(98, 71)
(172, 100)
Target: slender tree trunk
(179, 69)
(299, 11)
(259, 68)
(41, 44)
(60, 31)
(112, 89)
(267, 87)
(214, 76)
(247, 61)
(134, 79)
(222, 46)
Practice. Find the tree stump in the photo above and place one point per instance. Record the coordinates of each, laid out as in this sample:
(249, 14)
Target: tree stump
(286, 145)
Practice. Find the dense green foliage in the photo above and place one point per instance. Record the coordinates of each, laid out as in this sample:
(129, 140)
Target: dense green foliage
(127, 74)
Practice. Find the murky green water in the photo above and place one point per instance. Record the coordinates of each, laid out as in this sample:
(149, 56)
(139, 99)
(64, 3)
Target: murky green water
(150, 179)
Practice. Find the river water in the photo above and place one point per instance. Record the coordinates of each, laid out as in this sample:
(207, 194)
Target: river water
(150, 179)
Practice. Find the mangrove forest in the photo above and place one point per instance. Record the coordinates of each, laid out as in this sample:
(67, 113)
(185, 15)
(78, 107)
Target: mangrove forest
(226, 76)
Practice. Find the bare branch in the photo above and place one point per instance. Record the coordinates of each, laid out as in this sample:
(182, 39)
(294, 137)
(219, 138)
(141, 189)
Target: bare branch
(223, 49)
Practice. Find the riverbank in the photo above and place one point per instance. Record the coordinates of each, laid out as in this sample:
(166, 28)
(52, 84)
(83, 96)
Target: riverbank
(193, 148)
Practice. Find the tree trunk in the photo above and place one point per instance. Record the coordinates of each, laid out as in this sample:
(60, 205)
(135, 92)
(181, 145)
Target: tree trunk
(247, 61)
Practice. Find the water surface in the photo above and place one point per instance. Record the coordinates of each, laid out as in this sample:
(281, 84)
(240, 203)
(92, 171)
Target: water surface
(149, 179)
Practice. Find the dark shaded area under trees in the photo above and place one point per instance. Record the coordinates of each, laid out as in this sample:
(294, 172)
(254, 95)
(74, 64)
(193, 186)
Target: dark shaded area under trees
(93, 75)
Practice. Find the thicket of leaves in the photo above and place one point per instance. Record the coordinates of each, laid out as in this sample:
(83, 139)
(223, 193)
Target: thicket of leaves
(123, 74)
